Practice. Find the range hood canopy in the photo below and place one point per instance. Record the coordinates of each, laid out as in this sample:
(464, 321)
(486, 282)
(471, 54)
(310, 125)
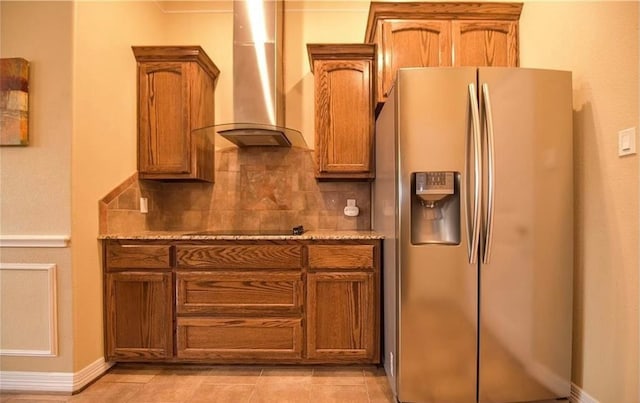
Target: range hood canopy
(258, 95)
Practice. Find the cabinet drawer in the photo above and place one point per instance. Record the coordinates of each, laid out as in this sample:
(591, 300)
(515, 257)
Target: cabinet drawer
(341, 257)
(241, 339)
(240, 256)
(239, 293)
(138, 256)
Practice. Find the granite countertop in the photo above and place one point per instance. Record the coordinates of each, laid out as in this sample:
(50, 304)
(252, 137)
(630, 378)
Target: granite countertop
(195, 235)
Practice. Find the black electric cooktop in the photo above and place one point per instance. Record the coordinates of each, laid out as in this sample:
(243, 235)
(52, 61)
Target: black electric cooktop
(294, 231)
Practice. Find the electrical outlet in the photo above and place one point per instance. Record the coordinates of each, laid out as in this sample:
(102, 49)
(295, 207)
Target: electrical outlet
(391, 366)
(144, 205)
(627, 142)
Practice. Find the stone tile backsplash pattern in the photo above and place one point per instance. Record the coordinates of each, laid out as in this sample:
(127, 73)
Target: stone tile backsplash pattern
(255, 188)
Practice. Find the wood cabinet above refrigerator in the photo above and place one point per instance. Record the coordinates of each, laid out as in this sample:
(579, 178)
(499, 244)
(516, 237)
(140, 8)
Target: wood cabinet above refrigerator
(175, 99)
(424, 34)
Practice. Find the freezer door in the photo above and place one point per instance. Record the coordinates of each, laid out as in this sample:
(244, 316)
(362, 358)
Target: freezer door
(526, 275)
(437, 283)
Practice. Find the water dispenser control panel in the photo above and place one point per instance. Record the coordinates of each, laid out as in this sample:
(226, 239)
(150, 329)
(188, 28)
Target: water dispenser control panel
(434, 186)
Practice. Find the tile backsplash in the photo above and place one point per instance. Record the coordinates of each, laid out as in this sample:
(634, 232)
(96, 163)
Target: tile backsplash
(255, 188)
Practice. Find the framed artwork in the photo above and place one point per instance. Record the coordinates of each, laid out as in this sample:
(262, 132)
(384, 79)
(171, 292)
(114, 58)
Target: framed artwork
(14, 102)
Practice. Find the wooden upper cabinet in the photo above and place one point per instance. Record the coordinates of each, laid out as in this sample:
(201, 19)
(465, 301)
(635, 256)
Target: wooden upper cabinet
(426, 34)
(412, 43)
(485, 43)
(344, 110)
(175, 98)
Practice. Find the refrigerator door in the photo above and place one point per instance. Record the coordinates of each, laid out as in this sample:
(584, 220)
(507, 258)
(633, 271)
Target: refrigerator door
(437, 283)
(526, 280)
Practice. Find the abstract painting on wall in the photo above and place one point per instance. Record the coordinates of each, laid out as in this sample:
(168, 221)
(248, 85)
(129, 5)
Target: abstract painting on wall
(14, 102)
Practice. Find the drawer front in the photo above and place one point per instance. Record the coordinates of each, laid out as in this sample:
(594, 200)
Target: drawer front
(239, 293)
(240, 256)
(239, 339)
(341, 257)
(138, 256)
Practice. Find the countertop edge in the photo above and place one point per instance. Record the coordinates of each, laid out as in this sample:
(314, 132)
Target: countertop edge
(182, 236)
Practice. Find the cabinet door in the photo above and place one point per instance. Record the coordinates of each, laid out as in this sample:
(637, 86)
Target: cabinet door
(164, 137)
(341, 316)
(139, 318)
(485, 43)
(412, 43)
(344, 118)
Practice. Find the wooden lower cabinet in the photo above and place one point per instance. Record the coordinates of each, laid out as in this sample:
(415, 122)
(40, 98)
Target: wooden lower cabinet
(239, 339)
(341, 323)
(139, 316)
(278, 301)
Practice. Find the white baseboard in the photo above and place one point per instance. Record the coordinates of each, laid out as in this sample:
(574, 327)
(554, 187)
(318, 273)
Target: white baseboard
(580, 396)
(52, 381)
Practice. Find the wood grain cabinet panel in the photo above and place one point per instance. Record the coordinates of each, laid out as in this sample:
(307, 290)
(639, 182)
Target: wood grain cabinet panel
(139, 318)
(407, 43)
(126, 256)
(428, 34)
(341, 257)
(344, 110)
(176, 87)
(341, 317)
(239, 292)
(239, 339)
(239, 256)
(485, 43)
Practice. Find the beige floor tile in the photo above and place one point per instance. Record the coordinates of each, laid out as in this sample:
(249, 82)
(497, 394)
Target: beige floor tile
(33, 398)
(339, 394)
(378, 385)
(374, 372)
(286, 375)
(107, 392)
(180, 377)
(224, 375)
(222, 393)
(379, 390)
(337, 376)
(281, 393)
(127, 374)
(173, 385)
(166, 393)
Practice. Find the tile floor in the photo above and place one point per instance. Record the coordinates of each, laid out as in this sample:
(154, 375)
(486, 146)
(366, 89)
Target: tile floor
(232, 384)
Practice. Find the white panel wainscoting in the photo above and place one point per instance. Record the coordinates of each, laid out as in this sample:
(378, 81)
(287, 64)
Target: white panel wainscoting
(34, 241)
(580, 396)
(28, 309)
(52, 381)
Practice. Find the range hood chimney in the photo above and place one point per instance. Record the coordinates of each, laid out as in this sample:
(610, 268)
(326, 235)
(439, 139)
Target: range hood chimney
(258, 95)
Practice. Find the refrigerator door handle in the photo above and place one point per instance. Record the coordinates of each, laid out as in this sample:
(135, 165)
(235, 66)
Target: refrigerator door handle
(474, 228)
(491, 175)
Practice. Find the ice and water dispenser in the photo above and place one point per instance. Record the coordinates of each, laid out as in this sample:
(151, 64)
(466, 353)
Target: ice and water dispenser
(435, 208)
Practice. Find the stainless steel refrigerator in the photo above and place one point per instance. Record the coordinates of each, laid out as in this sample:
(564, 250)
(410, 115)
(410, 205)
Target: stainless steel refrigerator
(473, 193)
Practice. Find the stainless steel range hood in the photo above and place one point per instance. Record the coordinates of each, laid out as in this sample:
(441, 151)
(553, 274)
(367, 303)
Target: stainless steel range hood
(258, 95)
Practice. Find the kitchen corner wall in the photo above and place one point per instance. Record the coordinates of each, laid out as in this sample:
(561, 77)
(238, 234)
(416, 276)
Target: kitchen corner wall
(262, 188)
(598, 42)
